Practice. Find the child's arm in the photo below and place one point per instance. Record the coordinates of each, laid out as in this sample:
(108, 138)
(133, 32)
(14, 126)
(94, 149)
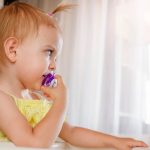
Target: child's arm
(83, 137)
(17, 129)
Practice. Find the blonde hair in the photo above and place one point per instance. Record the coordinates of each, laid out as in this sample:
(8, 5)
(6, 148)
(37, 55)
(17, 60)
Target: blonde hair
(21, 19)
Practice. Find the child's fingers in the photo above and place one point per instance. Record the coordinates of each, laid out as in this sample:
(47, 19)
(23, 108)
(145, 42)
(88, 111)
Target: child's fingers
(141, 144)
(58, 78)
(138, 144)
(46, 89)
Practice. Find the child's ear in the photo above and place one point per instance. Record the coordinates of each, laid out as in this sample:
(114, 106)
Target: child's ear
(10, 47)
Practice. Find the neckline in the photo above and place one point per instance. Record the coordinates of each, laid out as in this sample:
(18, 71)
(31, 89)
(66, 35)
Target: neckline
(22, 98)
(27, 100)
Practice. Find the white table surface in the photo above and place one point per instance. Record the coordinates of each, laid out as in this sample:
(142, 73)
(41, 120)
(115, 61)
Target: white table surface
(60, 145)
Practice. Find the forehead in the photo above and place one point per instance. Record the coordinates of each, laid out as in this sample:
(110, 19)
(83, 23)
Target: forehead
(48, 35)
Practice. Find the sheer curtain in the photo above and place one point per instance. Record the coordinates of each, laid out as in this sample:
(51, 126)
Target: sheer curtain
(105, 64)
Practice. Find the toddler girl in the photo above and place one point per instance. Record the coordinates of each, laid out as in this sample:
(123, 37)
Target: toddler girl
(30, 41)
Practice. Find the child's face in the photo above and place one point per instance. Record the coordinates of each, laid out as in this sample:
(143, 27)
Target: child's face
(37, 56)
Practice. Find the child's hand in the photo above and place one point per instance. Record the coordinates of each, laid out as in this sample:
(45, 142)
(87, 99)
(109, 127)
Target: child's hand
(128, 143)
(58, 93)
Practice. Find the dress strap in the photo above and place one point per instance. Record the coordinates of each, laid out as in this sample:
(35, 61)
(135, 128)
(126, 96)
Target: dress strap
(25, 95)
(9, 94)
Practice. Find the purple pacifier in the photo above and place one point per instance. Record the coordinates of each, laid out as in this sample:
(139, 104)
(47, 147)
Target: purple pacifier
(49, 80)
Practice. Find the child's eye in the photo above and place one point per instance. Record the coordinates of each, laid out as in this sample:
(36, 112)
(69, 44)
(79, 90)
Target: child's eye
(49, 51)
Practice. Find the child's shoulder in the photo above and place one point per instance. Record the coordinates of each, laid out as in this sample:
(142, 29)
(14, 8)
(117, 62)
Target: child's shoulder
(8, 108)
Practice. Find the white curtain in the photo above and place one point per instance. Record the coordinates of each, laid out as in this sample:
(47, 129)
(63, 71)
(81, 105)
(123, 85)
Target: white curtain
(105, 64)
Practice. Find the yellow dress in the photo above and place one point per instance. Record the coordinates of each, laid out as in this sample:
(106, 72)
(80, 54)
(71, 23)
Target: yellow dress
(32, 110)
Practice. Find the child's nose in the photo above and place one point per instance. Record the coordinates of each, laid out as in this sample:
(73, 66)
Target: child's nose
(52, 66)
